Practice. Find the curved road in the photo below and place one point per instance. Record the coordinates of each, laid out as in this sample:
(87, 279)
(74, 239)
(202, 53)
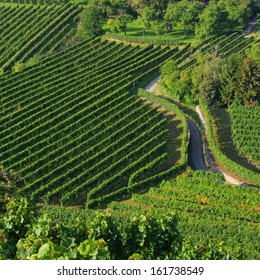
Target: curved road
(195, 145)
(195, 155)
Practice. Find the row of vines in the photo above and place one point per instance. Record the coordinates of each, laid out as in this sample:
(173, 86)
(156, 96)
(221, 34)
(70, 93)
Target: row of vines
(72, 130)
(233, 223)
(29, 30)
(246, 131)
(242, 173)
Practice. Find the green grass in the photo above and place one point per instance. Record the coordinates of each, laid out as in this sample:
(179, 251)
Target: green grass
(222, 124)
(135, 29)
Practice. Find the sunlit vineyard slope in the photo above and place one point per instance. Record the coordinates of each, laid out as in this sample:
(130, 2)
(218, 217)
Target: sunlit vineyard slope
(246, 131)
(29, 30)
(70, 127)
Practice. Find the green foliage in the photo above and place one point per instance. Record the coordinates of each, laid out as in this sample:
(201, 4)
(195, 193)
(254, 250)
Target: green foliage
(222, 16)
(245, 131)
(220, 76)
(211, 251)
(176, 82)
(246, 175)
(104, 236)
(160, 27)
(14, 225)
(215, 220)
(248, 80)
(18, 215)
(50, 239)
(206, 80)
(171, 15)
(184, 12)
(9, 183)
(229, 82)
(238, 12)
(254, 53)
(90, 23)
(146, 17)
(172, 107)
(120, 23)
(20, 66)
(102, 134)
(139, 237)
(211, 19)
(60, 233)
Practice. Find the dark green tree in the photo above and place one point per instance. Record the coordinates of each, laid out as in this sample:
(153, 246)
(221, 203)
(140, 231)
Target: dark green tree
(238, 12)
(177, 83)
(184, 13)
(228, 78)
(206, 79)
(120, 23)
(90, 22)
(146, 16)
(171, 16)
(248, 80)
(211, 21)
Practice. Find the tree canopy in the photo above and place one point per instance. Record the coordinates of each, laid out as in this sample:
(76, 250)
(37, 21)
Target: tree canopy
(220, 81)
(90, 22)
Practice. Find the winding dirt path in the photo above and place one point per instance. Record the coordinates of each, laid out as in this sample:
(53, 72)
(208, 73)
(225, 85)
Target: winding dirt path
(152, 85)
(249, 26)
(229, 178)
(196, 150)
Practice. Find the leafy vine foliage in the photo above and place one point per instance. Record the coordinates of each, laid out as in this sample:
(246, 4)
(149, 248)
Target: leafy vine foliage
(96, 235)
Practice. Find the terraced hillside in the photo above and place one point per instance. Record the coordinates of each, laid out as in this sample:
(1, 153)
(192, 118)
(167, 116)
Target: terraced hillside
(224, 45)
(70, 127)
(245, 125)
(27, 30)
(196, 198)
(37, 2)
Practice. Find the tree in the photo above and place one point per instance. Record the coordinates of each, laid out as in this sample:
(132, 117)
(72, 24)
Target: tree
(184, 12)
(137, 5)
(206, 79)
(248, 80)
(159, 27)
(171, 16)
(103, 6)
(190, 12)
(211, 20)
(228, 78)
(238, 12)
(176, 82)
(145, 17)
(120, 23)
(90, 22)
(254, 53)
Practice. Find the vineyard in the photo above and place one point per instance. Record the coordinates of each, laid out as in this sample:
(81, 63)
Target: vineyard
(29, 30)
(195, 199)
(72, 130)
(246, 131)
(222, 45)
(37, 2)
(91, 163)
